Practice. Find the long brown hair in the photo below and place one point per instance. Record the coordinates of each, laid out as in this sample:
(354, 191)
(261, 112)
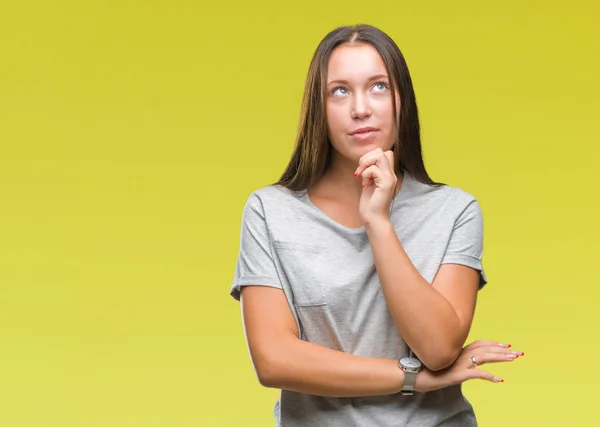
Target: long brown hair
(312, 152)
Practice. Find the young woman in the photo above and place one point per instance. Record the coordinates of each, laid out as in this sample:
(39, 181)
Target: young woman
(357, 273)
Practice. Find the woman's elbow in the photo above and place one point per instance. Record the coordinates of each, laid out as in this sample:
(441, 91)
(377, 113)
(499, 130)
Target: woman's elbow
(440, 359)
(268, 370)
(267, 375)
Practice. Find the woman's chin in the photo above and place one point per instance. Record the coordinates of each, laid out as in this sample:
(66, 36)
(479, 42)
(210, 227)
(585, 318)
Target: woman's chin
(354, 152)
(358, 151)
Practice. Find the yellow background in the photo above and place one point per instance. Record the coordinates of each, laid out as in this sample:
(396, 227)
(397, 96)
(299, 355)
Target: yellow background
(132, 132)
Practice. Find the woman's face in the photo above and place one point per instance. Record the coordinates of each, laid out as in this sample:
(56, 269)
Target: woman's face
(359, 102)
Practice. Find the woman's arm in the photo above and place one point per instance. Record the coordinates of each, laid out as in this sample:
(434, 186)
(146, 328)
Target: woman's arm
(281, 360)
(434, 320)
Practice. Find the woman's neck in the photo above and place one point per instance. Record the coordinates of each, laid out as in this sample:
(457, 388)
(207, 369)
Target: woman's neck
(338, 182)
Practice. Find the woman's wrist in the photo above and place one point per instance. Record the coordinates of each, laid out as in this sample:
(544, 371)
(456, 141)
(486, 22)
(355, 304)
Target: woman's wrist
(423, 383)
(378, 224)
(397, 375)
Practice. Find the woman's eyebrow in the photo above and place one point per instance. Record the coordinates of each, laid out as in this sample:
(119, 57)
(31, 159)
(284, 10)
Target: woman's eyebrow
(375, 77)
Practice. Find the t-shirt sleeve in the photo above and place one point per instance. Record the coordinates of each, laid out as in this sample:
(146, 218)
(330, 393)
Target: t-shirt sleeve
(466, 241)
(255, 265)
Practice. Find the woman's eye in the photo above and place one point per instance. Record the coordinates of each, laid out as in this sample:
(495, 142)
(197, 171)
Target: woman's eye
(339, 91)
(380, 86)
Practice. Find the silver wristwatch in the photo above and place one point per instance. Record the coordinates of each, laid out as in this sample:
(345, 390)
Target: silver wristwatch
(411, 367)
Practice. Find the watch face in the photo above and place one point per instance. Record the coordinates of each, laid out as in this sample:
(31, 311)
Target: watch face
(410, 362)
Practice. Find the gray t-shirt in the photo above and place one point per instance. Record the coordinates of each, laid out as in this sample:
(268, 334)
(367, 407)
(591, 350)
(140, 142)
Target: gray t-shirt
(329, 278)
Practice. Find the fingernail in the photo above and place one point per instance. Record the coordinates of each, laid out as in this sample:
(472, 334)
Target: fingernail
(498, 380)
(512, 356)
(355, 174)
(505, 345)
(518, 353)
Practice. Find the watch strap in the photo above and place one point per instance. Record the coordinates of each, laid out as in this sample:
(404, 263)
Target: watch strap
(410, 379)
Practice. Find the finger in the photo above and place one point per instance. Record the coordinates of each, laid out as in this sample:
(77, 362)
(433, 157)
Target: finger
(489, 357)
(483, 375)
(380, 160)
(481, 343)
(367, 160)
(390, 158)
(383, 162)
(364, 163)
(373, 176)
(490, 349)
(500, 350)
(493, 349)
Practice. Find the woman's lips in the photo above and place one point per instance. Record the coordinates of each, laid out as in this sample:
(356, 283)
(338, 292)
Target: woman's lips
(364, 134)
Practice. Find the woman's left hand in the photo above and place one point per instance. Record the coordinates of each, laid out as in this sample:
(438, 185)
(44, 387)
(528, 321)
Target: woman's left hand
(379, 184)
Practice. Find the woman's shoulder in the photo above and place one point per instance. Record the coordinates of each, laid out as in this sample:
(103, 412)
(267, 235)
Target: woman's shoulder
(273, 192)
(454, 196)
(271, 197)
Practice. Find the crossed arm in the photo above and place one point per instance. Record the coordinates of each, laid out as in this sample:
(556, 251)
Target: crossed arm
(433, 319)
(281, 360)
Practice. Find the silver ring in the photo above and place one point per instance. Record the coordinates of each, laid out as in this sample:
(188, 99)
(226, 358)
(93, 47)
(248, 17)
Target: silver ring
(473, 360)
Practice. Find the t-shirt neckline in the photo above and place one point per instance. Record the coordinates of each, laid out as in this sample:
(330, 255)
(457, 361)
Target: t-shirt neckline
(400, 196)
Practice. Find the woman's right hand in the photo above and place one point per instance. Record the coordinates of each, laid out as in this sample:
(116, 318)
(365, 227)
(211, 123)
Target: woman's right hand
(463, 368)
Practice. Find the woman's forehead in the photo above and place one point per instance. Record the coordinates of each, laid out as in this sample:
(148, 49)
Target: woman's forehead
(351, 62)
